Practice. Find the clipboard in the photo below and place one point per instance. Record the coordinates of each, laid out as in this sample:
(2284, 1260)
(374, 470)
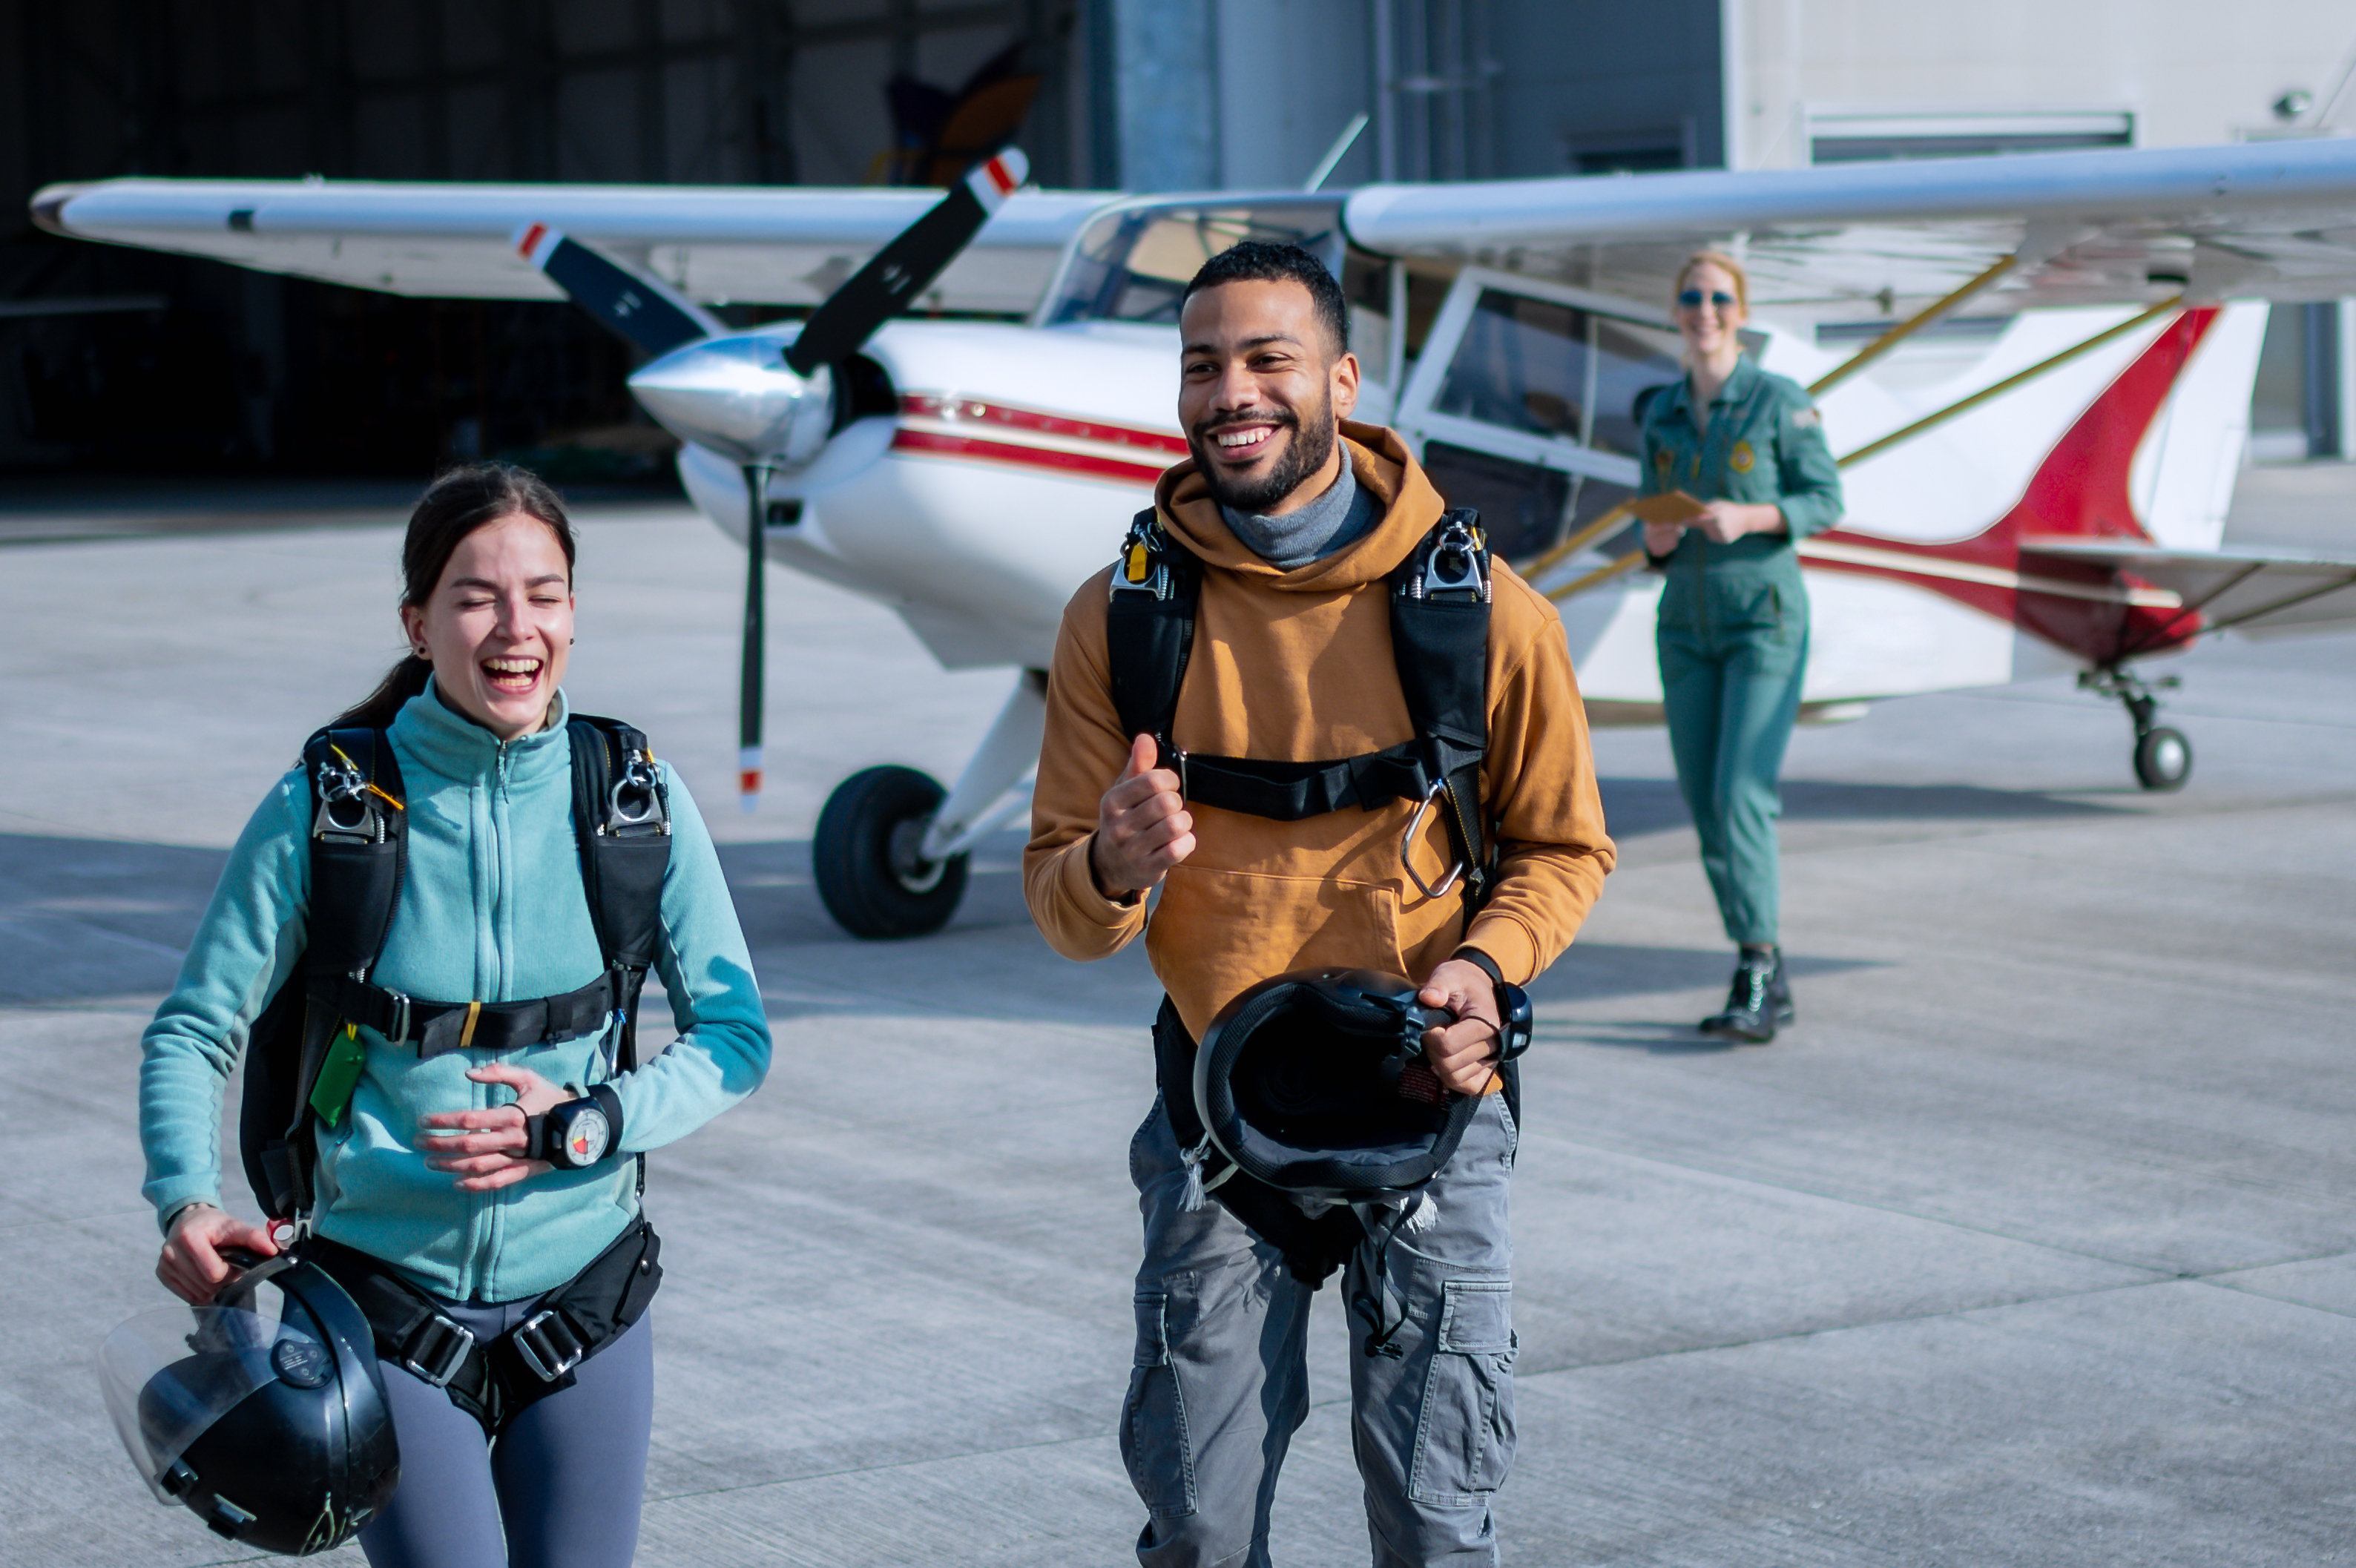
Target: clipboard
(1675, 507)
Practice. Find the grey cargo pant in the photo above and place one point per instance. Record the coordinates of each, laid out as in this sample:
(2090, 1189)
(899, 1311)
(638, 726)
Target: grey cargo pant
(1220, 1379)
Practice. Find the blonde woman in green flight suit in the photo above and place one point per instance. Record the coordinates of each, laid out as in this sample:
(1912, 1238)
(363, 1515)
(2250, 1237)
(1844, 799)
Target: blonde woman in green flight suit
(1733, 632)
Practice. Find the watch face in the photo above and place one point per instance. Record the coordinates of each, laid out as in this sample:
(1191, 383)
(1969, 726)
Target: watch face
(584, 1137)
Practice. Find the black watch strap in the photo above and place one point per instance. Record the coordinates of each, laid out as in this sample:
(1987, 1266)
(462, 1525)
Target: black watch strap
(1483, 962)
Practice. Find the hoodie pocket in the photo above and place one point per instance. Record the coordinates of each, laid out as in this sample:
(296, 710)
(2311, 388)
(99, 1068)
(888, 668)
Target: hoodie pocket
(1228, 929)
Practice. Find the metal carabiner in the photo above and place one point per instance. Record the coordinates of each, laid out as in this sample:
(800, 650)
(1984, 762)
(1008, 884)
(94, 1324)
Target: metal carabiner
(1456, 545)
(633, 799)
(1406, 842)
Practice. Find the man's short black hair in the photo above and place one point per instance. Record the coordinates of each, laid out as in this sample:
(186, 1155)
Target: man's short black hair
(1257, 261)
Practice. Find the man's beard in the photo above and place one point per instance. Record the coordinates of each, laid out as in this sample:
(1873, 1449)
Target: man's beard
(1305, 454)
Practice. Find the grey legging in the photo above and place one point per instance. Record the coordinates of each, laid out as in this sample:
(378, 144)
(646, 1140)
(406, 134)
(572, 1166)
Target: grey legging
(561, 1487)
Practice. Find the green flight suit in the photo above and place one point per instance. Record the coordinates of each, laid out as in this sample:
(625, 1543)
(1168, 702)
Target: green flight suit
(1733, 630)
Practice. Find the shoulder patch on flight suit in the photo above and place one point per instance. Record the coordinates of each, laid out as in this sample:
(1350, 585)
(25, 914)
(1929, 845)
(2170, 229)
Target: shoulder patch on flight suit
(1741, 458)
(1664, 460)
(1805, 418)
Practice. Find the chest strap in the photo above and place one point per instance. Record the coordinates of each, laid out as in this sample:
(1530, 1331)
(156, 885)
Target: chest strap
(437, 1026)
(496, 1382)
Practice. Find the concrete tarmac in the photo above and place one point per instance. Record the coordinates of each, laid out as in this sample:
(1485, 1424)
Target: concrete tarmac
(2030, 1246)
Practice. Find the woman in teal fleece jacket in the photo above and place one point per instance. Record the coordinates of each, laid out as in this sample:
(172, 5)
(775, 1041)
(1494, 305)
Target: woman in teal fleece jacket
(425, 1172)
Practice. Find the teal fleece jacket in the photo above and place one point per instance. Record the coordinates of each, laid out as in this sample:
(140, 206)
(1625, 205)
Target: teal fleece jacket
(492, 910)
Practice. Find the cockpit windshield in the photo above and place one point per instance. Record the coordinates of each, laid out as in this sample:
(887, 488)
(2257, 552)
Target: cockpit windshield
(1132, 263)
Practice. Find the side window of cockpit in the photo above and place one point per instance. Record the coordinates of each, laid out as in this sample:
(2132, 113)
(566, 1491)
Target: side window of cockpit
(1549, 369)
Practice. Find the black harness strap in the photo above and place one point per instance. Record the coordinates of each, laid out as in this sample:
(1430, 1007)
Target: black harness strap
(437, 1026)
(621, 816)
(1439, 637)
(496, 1382)
(359, 857)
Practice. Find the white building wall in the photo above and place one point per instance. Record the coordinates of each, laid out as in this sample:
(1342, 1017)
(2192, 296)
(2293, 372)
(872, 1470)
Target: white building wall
(2190, 72)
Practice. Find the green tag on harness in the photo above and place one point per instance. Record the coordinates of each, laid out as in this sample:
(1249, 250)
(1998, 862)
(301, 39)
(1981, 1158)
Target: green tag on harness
(339, 1074)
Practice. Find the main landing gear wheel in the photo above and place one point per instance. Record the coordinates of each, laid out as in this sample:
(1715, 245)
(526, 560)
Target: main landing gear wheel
(2163, 758)
(870, 875)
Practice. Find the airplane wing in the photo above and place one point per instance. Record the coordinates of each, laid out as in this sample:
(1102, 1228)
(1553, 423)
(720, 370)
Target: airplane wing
(2229, 591)
(780, 245)
(2261, 219)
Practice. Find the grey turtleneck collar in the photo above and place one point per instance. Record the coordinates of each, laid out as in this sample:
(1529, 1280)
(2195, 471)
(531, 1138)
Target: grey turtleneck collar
(1343, 515)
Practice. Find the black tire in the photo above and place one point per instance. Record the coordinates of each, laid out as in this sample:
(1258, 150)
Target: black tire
(2163, 758)
(863, 857)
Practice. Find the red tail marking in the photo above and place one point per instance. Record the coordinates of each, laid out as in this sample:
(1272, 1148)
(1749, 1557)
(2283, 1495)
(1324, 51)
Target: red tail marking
(1000, 175)
(531, 239)
(2081, 490)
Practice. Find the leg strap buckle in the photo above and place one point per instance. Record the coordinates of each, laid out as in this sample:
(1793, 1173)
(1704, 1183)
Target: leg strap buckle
(437, 1349)
(548, 1344)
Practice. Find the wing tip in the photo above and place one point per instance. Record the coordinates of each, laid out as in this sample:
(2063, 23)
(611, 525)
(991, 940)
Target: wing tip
(49, 206)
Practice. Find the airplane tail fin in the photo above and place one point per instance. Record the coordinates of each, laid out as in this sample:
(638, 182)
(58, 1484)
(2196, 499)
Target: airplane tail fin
(2084, 489)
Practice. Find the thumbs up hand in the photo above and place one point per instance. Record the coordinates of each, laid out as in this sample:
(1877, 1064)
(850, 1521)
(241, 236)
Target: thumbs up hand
(1143, 825)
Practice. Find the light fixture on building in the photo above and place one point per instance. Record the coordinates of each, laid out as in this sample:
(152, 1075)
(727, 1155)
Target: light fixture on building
(2293, 104)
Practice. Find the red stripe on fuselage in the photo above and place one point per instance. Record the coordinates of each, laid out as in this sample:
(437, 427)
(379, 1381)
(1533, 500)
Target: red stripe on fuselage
(2081, 490)
(932, 406)
(975, 448)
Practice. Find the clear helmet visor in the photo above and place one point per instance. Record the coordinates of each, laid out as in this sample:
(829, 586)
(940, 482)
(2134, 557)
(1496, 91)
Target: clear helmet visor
(169, 1374)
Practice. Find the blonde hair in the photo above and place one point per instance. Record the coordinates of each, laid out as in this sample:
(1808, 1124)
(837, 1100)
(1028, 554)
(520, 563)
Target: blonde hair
(1725, 264)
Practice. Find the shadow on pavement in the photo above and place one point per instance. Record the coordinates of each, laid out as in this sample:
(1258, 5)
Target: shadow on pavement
(1633, 807)
(86, 918)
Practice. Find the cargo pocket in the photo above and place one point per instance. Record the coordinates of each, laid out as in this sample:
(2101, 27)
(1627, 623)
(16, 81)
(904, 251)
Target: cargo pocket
(1154, 1445)
(1464, 1433)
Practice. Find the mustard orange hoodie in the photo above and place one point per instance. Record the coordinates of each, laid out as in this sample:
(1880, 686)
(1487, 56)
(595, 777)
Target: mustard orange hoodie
(1296, 665)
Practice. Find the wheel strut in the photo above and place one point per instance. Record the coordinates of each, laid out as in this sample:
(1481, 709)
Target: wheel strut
(2163, 756)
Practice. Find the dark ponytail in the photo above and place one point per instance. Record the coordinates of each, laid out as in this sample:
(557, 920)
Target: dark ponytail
(452, 506)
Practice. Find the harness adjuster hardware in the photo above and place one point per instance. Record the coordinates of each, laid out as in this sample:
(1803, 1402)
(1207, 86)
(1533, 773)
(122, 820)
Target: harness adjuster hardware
(445, 1346)
(548, 1344)
(397, 1035)
(1453, 565)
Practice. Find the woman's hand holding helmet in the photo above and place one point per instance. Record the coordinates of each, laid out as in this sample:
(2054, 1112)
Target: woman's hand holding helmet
(485, 1149)
(192, 1266)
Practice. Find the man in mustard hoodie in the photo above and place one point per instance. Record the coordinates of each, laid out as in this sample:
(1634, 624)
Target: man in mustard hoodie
(1298, 518)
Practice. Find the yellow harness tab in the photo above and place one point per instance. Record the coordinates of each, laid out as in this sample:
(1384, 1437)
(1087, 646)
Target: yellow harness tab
(1139, 564)
(466, 1034)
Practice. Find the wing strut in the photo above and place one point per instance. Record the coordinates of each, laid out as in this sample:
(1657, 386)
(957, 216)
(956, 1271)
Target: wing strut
(1635, 558)
(1909, 327)
(1964, 405)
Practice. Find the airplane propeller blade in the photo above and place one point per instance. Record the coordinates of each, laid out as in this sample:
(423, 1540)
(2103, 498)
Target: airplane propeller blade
(628, 303)
(908, 266)
(748, 685)
(728, 391)
(873, 295)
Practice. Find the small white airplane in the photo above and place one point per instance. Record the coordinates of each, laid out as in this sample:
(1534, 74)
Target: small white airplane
(2038, 453)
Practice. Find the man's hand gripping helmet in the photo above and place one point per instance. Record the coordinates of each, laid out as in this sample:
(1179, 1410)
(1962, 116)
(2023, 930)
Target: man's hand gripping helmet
(1315, 1083)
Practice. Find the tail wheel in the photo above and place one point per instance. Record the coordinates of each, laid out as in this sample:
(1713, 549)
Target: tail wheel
(870, 876)
(2163, 758)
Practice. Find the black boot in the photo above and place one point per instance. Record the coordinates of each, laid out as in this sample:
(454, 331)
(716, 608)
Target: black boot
(1759, 1000)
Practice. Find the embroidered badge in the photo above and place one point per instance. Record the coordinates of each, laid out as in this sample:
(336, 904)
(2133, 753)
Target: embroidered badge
(1664, 459)
(1807, 419)
(1741, 458)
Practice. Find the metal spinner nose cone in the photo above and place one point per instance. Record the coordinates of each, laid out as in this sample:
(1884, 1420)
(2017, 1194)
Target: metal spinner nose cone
(733, 395)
